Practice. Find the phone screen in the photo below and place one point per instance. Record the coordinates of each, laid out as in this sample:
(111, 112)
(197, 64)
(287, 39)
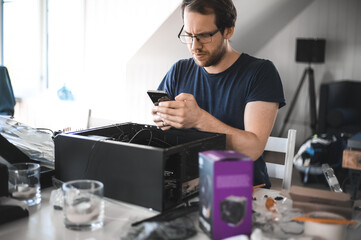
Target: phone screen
(158, 96)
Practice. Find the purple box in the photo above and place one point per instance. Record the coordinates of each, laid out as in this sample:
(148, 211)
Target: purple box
(226, 187)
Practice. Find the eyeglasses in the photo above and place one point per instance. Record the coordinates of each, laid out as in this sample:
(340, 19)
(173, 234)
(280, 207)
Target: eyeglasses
(202, 38)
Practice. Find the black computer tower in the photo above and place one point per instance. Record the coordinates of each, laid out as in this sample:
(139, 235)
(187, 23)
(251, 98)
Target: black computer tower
(137, 163)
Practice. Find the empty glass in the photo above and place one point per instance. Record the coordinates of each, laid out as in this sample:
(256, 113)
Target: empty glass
(24, 182)
(83, 204)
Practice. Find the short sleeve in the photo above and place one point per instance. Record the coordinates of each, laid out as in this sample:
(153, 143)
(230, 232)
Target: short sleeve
(266, 85)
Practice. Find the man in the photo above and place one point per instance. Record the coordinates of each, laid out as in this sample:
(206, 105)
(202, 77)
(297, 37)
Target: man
(219, 89)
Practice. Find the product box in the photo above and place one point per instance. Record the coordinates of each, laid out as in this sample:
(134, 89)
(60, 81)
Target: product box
(226, 187)
(310, 199)
(137, 163)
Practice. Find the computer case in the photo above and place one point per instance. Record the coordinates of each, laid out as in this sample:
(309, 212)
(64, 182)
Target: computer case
(137, 163)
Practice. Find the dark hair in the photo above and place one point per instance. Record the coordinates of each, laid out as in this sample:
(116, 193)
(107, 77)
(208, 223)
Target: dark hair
(225, 11)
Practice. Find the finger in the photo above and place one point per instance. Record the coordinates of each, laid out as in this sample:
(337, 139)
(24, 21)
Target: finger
(160, 124)
(184, 97)
(157, 118)
(154, 110)
(169, 104)
(173, 124)
(165, 113)
(170, 119)
(166, 128)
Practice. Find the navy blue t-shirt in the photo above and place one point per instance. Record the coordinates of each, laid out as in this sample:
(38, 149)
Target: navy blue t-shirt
(225, 95)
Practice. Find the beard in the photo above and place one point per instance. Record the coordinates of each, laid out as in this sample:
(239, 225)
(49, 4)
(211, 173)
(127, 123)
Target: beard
(213, 59)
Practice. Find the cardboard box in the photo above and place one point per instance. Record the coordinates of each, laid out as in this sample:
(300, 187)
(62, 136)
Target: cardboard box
(351, 159)
(226, 186)
(310, 199)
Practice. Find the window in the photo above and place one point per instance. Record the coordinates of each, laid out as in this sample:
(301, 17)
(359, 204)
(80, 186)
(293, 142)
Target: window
(84, 45)
(23, 45)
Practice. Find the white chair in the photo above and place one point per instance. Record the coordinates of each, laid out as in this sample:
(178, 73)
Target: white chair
(286, 146)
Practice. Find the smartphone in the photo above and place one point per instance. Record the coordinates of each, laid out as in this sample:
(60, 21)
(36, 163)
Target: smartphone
(158, 96)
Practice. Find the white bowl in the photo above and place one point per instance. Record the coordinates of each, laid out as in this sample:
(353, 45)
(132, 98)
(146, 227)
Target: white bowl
(325, 231)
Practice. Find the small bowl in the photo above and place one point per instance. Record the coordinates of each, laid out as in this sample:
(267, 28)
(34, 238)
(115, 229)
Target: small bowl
(325, 231)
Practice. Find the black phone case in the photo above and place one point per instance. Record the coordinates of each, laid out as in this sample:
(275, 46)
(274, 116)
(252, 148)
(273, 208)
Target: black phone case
(158, 96)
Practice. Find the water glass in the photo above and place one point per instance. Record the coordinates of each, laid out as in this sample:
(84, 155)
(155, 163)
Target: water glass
(83, 204)
(24, 182)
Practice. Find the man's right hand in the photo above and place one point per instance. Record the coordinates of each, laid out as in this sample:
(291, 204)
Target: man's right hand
(184, 112)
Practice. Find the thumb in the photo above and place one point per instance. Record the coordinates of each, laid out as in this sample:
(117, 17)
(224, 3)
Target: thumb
(184, 97)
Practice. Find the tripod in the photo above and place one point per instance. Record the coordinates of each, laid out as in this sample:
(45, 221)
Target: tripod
(311, 91)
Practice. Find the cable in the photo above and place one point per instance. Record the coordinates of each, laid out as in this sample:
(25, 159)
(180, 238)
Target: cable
(141, 130)
(164, 142)
(121, 130)
(150, 139)
(91, 154)
(45, 129)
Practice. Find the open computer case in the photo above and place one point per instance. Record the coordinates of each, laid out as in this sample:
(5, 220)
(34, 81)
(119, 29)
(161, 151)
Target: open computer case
(137, 163)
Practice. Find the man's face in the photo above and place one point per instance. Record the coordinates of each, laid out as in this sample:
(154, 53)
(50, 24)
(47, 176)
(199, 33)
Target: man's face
(207, 54)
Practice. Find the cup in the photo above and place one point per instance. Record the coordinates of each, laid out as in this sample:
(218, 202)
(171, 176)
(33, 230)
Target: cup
(83, 204)
(325, 231)
(24, 182)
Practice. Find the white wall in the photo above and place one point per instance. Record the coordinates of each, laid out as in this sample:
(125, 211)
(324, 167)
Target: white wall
(266, 29)
(338, 21)
(149, 65)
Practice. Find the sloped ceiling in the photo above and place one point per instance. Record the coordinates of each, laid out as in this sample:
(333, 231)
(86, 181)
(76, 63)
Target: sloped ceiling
(257, 22)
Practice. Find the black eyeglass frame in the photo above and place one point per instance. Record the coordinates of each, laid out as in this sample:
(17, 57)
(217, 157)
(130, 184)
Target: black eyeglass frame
(195, 36)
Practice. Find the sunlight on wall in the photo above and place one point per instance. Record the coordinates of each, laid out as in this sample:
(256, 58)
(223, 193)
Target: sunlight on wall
(114, 31)
(90, 43)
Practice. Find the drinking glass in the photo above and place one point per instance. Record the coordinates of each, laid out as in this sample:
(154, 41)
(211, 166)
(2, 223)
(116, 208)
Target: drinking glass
(83, 204)
(24, 182)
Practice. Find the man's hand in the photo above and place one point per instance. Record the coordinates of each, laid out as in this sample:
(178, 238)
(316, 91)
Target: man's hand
(184, 112)
(158, 120)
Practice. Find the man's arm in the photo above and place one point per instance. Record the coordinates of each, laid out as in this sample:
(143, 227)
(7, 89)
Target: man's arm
(259, 118)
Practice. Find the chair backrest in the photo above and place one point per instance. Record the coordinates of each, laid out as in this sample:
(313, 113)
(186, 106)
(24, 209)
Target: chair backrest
(286, 146)
(7, 99)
